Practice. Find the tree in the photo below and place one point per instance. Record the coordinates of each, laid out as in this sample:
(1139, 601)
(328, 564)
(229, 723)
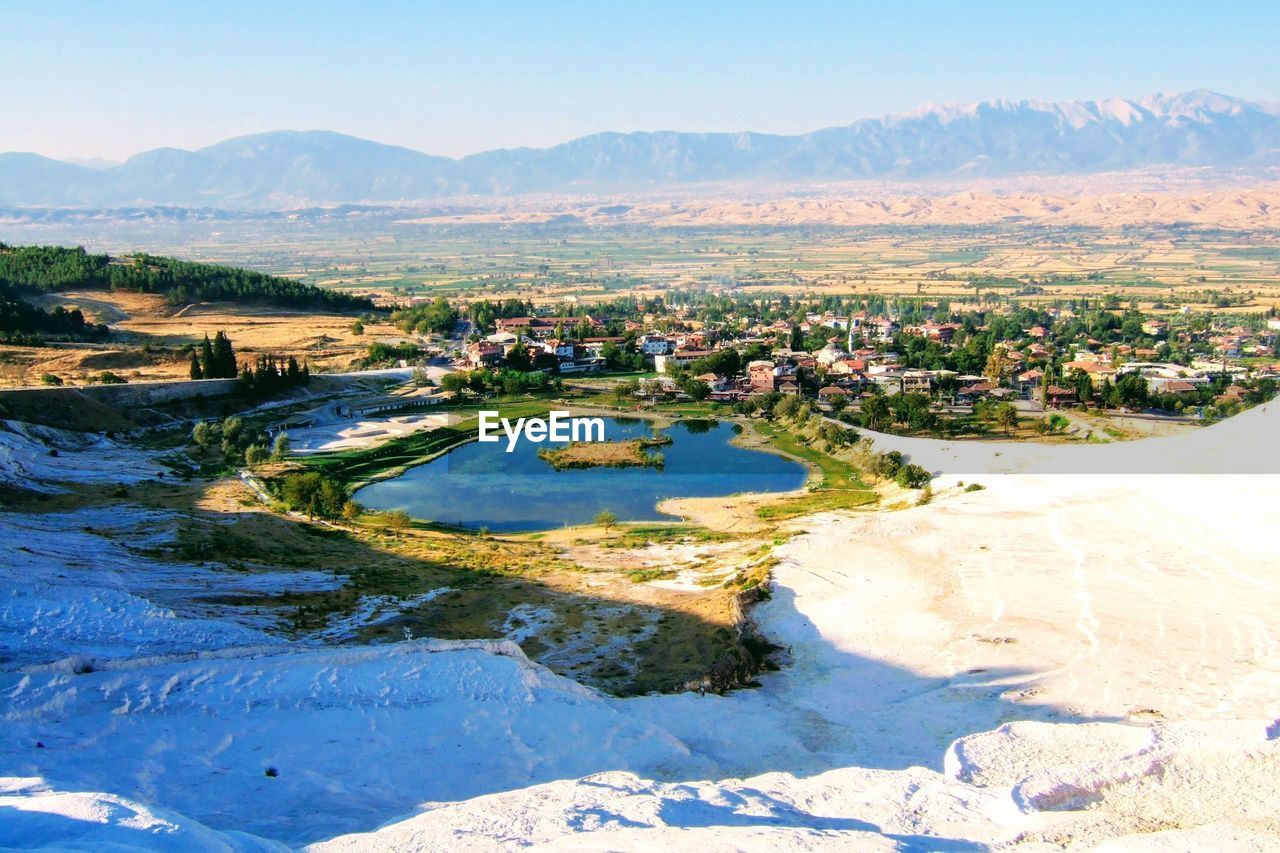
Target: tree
(1083, 383)
(357, 328)
(625, 390)
(196, 371)
(606, 519)
(1007, 417)
(206, 434)
(206, 358)
(1131, 391)
(875, 412)
(397, 519)
(997, 365)
(280, 447)
(256, 454)
(787, 408)
(314, 494)
(454, 383)
(797, 339)
(696, 389)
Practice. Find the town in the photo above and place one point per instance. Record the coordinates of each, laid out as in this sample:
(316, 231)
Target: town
(899, 365)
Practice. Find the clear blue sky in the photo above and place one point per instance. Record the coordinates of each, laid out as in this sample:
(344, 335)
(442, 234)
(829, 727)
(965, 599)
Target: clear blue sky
(109, 79)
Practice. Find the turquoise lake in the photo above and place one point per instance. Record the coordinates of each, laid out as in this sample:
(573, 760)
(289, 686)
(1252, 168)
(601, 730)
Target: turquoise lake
(481, 485)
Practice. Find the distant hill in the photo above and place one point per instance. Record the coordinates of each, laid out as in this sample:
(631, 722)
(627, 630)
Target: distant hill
(992, 138)
(50, 269)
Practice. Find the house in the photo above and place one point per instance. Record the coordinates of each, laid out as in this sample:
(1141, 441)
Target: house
(484, 354)
(847, 367)
(1097, 371)
(943, 332)
(1155, 328)
(766, 376)
(655, 345)
(714, 381)
(830, 392)
(888, 380)
(880, 329)
(581, 365)
(917, 381)
(595, 346)
(975, 391)
(1177, 387)
(682, 358)
(562, 348)
(1028, 381)
(535, 327)
(1056, 396)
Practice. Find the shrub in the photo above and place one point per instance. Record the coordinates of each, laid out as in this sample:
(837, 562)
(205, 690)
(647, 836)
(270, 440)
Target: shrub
(974, 487)
(912, 476)
(50, 379)
(888, 465)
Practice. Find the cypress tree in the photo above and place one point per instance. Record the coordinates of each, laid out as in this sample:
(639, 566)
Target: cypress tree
(224, 357)
(206, 358)
(196, 372)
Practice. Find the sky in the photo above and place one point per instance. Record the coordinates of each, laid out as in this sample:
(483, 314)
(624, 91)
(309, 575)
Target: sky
(110, 79)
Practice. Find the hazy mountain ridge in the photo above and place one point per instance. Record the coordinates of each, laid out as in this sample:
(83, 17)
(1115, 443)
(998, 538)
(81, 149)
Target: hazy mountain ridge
(288, 168)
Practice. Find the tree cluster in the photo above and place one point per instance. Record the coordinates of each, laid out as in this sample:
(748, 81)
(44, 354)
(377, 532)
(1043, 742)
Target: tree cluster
(215, 359)
(437, 316)
(270, 374)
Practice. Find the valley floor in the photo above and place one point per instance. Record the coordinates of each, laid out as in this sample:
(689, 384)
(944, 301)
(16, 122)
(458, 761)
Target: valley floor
(1081, 661)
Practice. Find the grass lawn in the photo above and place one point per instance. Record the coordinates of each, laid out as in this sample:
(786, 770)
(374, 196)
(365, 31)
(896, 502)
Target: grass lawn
(840, 487)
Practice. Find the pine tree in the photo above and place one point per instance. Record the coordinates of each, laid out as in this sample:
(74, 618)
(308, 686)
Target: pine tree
(196, 372)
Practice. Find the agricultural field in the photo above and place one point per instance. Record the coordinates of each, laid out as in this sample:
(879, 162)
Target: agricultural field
(396, 259)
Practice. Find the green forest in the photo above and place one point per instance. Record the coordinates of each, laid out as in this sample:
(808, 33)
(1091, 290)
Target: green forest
(49, 269)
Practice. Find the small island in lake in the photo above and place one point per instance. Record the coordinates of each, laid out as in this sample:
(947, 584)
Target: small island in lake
(607, 454)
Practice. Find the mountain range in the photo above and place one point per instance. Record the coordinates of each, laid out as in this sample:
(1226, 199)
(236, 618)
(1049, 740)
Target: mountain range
(284, 169)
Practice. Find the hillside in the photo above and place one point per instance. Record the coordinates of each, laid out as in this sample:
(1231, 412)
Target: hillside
(1051, 658)
(992, 138)
(51, 269)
